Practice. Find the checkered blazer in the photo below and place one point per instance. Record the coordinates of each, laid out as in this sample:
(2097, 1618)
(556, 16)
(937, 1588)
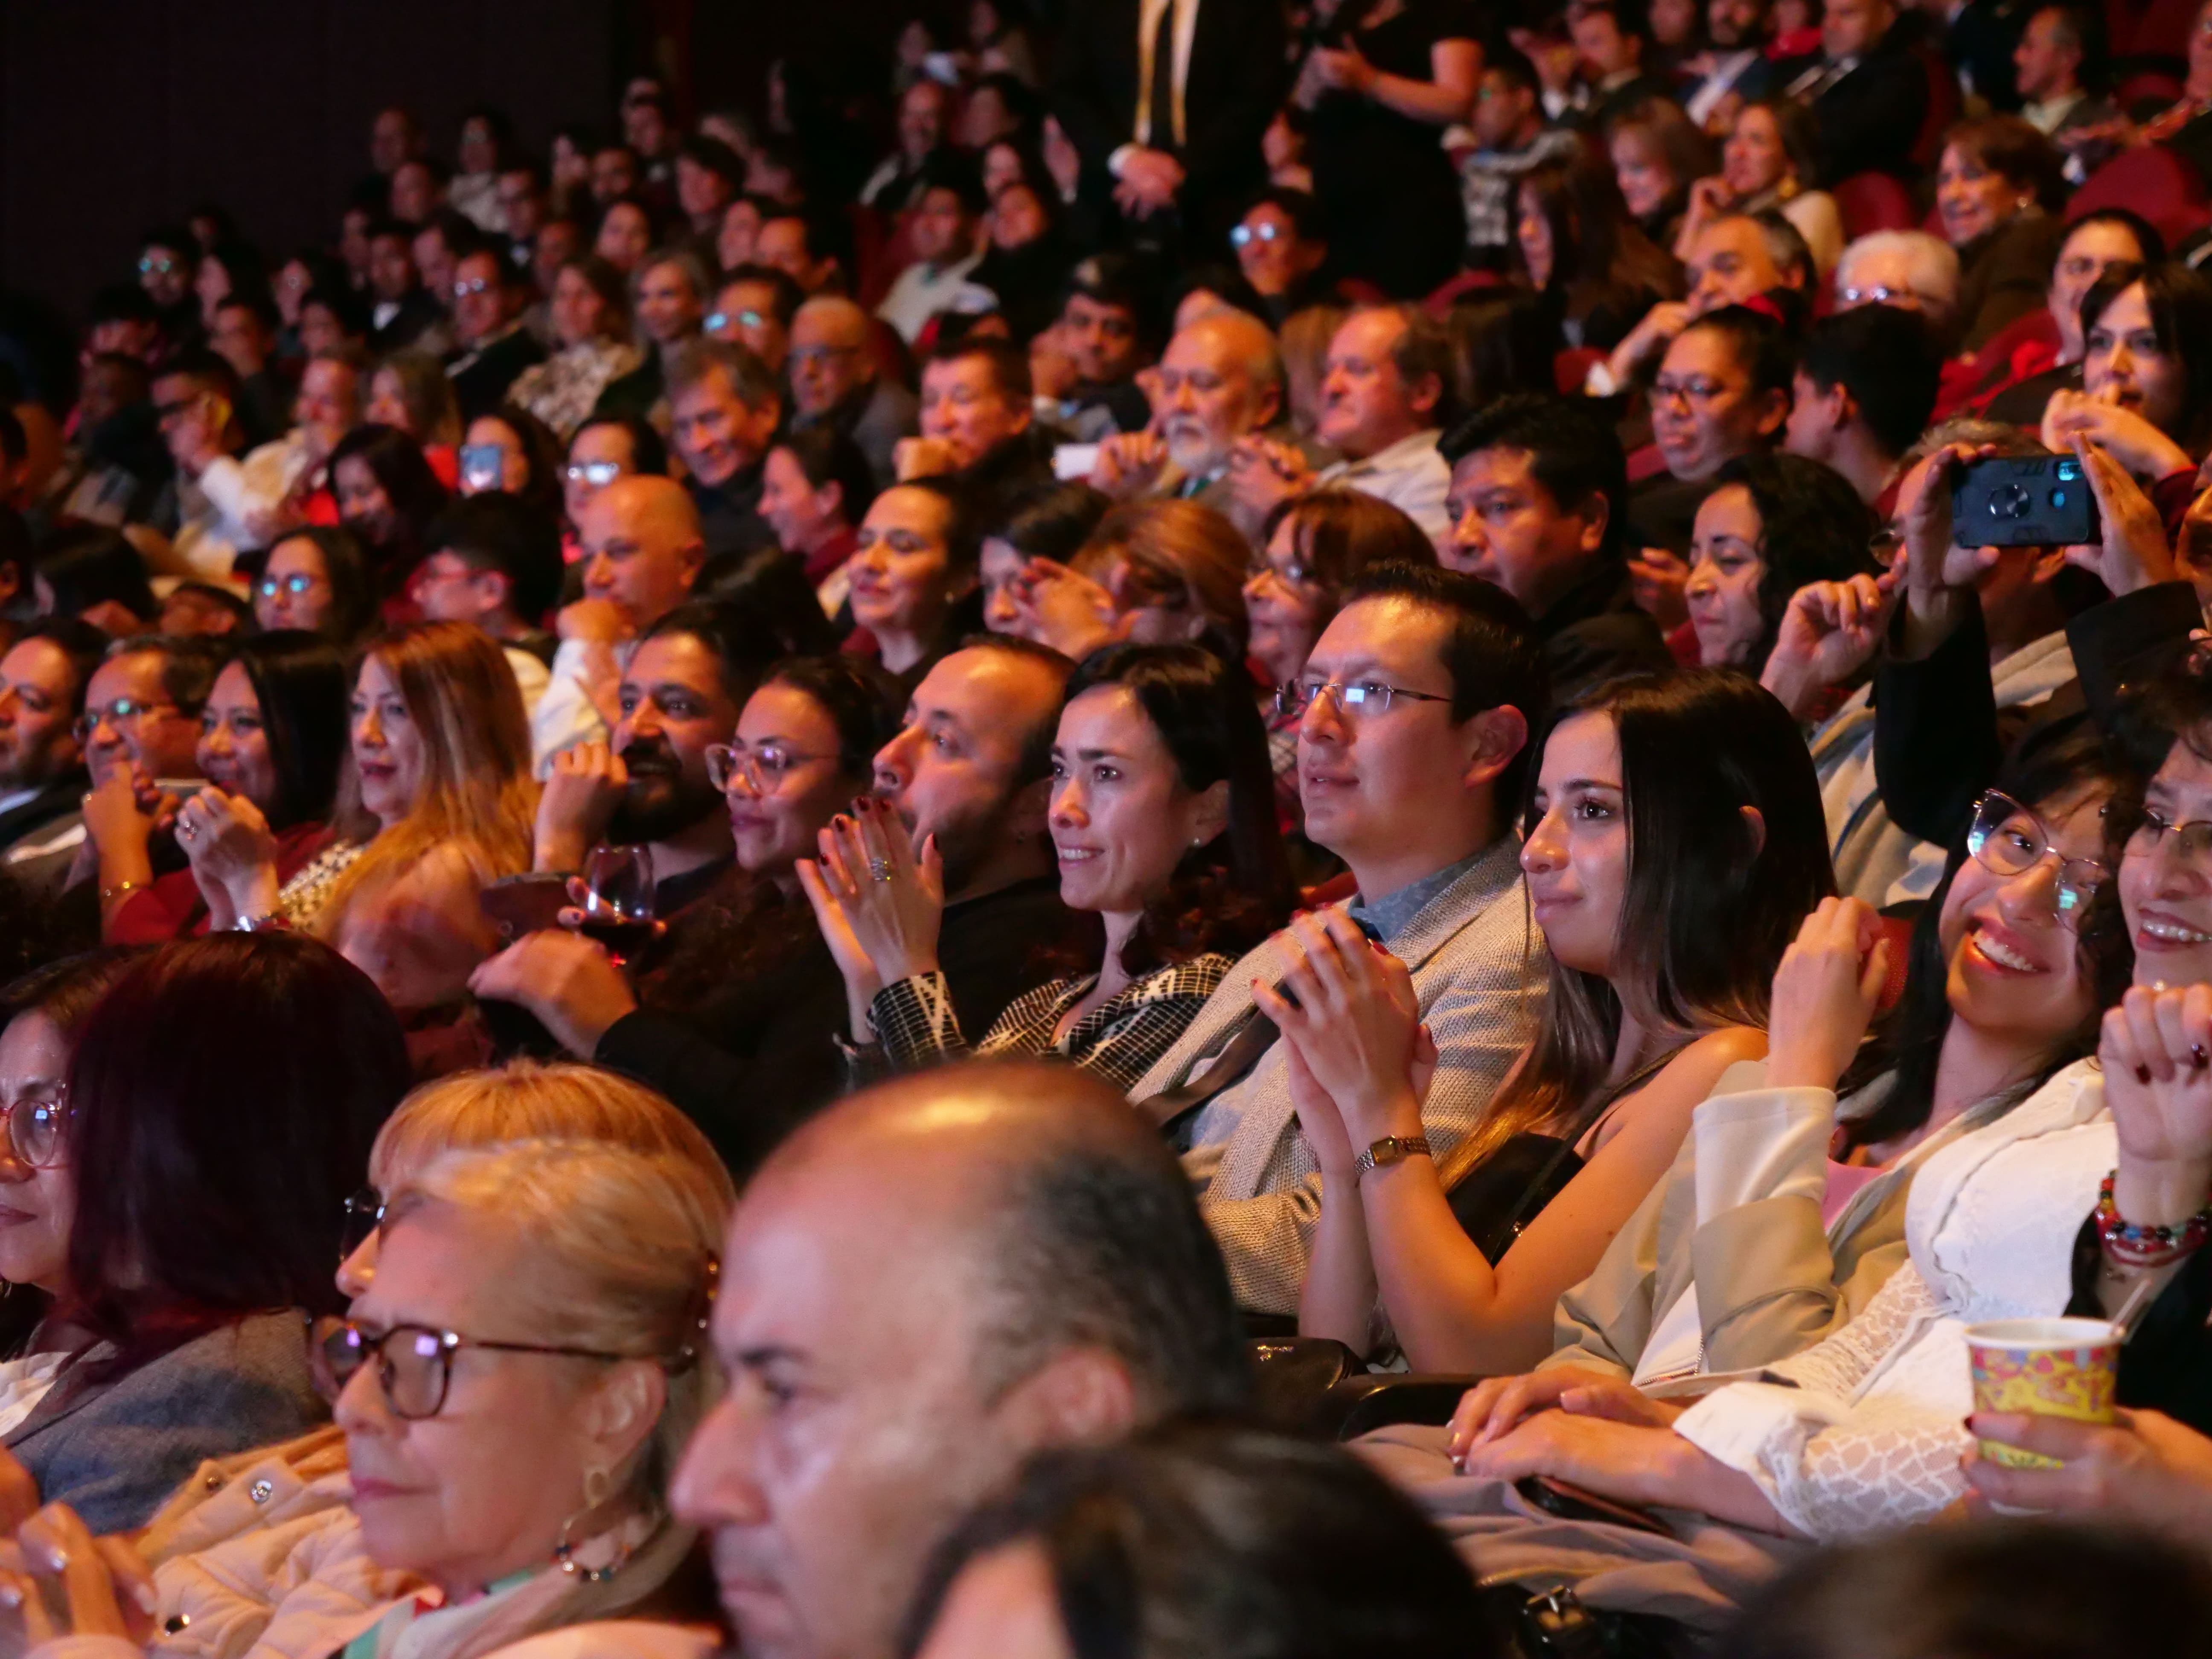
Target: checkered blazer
(1476, 962)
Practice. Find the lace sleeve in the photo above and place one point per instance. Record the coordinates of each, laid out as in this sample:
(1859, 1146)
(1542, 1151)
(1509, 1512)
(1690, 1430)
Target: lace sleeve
(1891, 1463)
(1837, 1365)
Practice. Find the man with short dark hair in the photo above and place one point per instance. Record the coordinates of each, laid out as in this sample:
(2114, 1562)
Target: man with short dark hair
(402, 313)
(1106, 330)
(834, 382)
(959, 1269)
(244, 335)
(972, 768)
(944, 231)
(1416, 710)
(1732, 63)
(196, 405)
(708, 176)
(1511, 139)
(495, 561)
(1611, 47)
(1868, 90)
(1863, 392)
(726, 409)
(802, 247)
(924, 112)
(754, 308)
(1539, 492)
(494, 347)
(43, 680)
(978, 424)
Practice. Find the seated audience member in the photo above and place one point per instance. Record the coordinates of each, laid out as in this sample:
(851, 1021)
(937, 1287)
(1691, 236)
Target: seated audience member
(1770, 164)
(387, 494)
(410, 389)
(44, 680)
(1511, 137)
(437, 802)
(196, 402)
(492, 346)
(1538, 502)
(912, 578)
(605, 447)
(1315, 547)
(1996, 191)
(204, 610)
(1105, 327)
(2066, 1590)
(590, 328)
(93, 575)
(815, 487)
(1417, 704)
(402, 314)
(1162, 821)
(1909, 269)
(545, 1480)
(754, 308)
(2060, 75)
(1864, 387)
(1158, 571)
(1722, 391)
(670, 296)
(2098, 243)
(1580, 250)
(1220, 380)
(651, 784)
(272, 736)
(1281, 246)
(186, 1126)
(317, 579)
(2181, 126)
(1772, 525)
(834, 382)
(1613, 51)
(2146, 397)
(643, 551)
(265, 491)
(1046, 526)
(495, 561)
(944, 231)
(1306, 1552)
(1733, 67)
(1867, 89)
(1785, 1211)
(142, 712)
(978, 422)
(511, 450)
(1657, 152)
(628, 230)
(1735, 259)
(927, 1204)
(1383, 394)
(806, 247)
(1464, 1256)
(971, 766)
(726, 409)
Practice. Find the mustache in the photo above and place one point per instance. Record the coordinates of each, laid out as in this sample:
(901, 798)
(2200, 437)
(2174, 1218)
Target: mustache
(651, 758)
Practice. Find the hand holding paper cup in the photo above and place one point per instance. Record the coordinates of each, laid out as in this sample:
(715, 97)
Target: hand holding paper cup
(2046, 1368)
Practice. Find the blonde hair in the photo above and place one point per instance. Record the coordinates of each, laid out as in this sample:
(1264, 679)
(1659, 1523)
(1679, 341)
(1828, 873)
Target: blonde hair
(533, 1100)
(426, 392)
(1180, 555)
(478, 797)
(621, 1252)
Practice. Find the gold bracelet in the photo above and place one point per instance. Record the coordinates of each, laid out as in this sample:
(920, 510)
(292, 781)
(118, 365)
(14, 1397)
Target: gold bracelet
(108, 895)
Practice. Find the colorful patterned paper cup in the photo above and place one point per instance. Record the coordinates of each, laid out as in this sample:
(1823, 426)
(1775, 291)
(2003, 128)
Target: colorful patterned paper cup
(2046, 1368)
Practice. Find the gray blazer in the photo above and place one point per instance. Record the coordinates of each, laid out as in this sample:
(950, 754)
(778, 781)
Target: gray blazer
(115, 1451)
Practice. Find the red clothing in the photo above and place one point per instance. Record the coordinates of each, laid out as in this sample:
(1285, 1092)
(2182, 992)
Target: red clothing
(173, 908)
(832, 554)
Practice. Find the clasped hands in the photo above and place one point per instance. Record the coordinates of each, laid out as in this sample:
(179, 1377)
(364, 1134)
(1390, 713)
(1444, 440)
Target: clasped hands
(879, 900)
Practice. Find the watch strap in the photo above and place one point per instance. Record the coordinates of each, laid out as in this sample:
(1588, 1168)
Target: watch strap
(1391, 1149)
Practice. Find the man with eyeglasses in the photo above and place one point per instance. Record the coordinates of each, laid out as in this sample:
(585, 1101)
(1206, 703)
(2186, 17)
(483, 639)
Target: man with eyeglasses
(44, 679)
(944, 230)
(139, 736)
(1415, 712)
(755, 309)
(834, 382)
(1511, 137)
(494, 347)
(1281, 245)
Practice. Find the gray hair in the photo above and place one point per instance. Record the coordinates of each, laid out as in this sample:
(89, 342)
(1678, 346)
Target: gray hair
(1933, 262)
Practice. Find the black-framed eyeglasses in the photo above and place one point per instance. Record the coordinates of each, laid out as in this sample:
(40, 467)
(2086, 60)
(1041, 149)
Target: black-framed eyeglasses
(1360, 698)
(363, 1215)
(414, 1363)
(2008, 839)
(36, 1118)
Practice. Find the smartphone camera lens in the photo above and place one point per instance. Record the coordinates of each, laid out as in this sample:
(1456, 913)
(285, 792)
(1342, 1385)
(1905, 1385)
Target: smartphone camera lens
(2011, 501)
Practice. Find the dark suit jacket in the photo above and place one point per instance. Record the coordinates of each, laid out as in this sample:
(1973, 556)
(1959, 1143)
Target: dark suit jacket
(65, 794)
(1869, 120)
(1235, 81)
(481, 378)
(1596, 633)
(416, 313)
(763, 1056)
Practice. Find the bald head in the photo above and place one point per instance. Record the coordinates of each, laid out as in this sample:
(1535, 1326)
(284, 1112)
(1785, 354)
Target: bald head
(643, 547)
(925, 1284)
(829, 362)
(1220, 378)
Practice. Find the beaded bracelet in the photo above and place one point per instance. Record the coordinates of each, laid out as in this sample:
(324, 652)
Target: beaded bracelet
(2137, 1246)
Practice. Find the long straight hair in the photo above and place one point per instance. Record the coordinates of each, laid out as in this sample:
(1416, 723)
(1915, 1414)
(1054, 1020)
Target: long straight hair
(477, 796)
(1710, 905)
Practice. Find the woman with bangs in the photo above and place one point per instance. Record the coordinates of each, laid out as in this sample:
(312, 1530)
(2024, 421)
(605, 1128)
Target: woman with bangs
(2146, 397)
(1675, 844)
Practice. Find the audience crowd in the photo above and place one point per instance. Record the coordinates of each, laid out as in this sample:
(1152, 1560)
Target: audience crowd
(803, 885)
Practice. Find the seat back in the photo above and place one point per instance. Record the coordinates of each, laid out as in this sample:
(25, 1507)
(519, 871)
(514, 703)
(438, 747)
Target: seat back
(2154, 182)
(1868, 202)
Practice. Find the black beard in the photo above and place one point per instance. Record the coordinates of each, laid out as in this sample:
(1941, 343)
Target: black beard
(660, 805)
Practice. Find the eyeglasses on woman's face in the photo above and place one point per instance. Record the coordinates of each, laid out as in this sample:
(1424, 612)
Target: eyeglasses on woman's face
(765, 768)
(414, 1363)
(36, 1114)
(2008, 839)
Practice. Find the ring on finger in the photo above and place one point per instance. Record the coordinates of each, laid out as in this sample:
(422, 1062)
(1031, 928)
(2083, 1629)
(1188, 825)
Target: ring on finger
(880, 869)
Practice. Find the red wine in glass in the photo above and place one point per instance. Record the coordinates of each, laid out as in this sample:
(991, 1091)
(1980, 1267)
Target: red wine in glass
(624, 939)
(618, 900)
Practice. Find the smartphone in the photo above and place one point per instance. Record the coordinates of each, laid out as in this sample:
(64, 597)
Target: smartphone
(1573, 1503)
(525, 904)
(482, 467)
(2024, 500)
(1073, 463)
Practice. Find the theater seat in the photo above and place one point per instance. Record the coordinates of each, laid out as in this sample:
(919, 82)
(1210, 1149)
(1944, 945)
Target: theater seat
(2154, 182)
(2162, 31)
(1572, 368)
(1868, 202)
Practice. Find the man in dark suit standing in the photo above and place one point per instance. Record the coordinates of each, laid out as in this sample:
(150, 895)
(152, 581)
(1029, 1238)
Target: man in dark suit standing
(1165, 101)
(1868, 90)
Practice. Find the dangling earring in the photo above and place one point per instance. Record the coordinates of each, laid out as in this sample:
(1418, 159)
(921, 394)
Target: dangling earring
(597, 1485)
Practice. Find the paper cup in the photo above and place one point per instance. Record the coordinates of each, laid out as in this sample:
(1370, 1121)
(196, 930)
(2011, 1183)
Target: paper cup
(2043, 1367)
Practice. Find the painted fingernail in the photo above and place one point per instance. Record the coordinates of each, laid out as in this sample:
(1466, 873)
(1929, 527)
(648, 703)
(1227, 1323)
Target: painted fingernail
(147, 1598)
(2142, 1074)
(2196, 1052)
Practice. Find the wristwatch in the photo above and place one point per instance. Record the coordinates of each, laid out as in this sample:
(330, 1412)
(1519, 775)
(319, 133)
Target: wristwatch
(1391, 1149)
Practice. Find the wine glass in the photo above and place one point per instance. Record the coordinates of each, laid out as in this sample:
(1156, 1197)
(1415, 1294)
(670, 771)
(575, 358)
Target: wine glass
(618, 899)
